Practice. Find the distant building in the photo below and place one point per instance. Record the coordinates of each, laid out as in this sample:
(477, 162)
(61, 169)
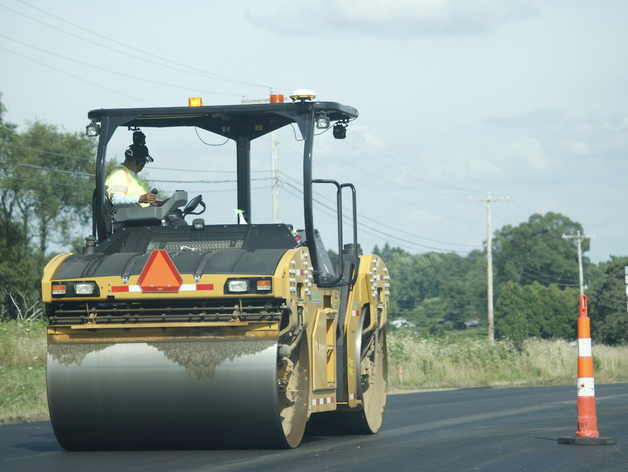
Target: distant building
(472, 324)
(401, 323)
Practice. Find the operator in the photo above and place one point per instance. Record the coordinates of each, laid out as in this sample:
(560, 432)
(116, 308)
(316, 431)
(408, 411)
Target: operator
(123, 185)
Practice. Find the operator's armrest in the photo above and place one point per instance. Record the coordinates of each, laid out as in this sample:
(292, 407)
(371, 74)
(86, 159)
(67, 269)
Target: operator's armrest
(150, 213)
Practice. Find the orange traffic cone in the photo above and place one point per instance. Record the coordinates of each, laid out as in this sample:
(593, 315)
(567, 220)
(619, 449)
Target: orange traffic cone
(587, 418)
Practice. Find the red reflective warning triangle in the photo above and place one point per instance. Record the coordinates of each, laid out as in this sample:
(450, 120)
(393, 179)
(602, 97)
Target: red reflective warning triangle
(160, 274)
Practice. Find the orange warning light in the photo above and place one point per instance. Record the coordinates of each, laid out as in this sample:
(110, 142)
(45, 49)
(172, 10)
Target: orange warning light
(263, 285)
(195, 102)
(160, 274)
(276, 98)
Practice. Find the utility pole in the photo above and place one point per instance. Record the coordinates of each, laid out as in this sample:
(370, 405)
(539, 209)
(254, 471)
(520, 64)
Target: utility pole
(626, 271)
(274, 169)
(579, 238)
(489, 257)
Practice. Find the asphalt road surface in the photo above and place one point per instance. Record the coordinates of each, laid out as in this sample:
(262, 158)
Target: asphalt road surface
(486, 429)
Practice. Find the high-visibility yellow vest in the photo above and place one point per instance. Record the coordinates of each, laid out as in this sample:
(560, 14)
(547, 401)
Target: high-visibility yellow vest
(125, 181)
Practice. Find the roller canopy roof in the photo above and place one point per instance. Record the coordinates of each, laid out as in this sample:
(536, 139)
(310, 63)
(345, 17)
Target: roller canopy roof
(252, 120)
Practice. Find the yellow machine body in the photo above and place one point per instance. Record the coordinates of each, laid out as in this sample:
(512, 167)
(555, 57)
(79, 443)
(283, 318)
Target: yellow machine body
(207, 336)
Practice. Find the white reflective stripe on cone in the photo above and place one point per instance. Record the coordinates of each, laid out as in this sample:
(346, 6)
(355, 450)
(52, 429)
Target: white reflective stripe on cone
(584, 347)
(586, 387)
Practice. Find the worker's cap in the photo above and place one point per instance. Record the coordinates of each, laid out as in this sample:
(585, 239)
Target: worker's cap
(139, 152)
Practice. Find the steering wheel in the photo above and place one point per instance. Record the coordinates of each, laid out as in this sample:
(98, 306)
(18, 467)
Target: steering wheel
(192, 204)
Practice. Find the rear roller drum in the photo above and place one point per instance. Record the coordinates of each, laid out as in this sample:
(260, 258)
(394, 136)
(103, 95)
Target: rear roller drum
(373, 369)
(374, 378)
(293, 393)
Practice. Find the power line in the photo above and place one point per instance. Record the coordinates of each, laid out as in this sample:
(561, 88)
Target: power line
(224, 190)
(379, 177)
(163, 84)
(203, 171)
(376, 221)
(538, 275)
(440, 182)
(47, 152)
(607, 245)
(52, 183)
(378, 232)
(82, 174)
(523, 208)
(331, 214)
(516, 213)
(189, 70)
(76, 77)
(405, 202)
(615, 302)
(534, 278)
(204, 181)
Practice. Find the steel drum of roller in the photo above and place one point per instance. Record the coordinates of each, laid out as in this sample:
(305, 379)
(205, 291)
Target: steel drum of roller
(172, 395)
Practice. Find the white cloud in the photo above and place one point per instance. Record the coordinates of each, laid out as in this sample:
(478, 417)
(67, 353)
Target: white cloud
(421, 216)
(578, 147)
(371, 138)
(614, 124)
(528, 150)
(534, 118)
(393, 18)
(477, 167)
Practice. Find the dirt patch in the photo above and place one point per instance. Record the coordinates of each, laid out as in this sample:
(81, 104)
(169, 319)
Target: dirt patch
(201, 358)
(24, 419)
(66, 354)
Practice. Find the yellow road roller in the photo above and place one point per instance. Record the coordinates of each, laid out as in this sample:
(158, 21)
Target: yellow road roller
(165, 333)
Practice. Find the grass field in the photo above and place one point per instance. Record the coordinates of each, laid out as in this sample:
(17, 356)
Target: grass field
(451, 361)
(22, 371)
(457, 361)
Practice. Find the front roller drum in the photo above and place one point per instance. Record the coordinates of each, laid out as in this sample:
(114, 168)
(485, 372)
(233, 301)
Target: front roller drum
(176, 395)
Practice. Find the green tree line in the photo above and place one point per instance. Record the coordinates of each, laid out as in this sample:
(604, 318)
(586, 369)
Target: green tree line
(46, 185)
(536, 285)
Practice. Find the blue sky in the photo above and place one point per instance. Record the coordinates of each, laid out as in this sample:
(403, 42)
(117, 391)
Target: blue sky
(525, 99)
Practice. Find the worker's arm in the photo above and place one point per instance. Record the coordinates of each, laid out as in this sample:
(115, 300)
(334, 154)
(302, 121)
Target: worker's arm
(122, 199)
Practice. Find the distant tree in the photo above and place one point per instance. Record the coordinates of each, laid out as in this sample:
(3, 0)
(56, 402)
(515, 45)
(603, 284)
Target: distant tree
(607, 303)
(46, 184)
(560, 311)
(535, 310)
(536, 251)
(513, 320)
(614, 329)
(387, 252)
(463, 286)
(19, 267)
(433, 286)
(428, 312)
